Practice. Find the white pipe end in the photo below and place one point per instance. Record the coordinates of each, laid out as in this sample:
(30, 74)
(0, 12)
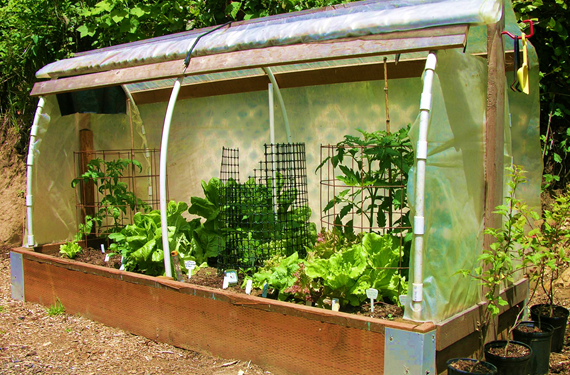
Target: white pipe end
(31, 241)
(431, 61)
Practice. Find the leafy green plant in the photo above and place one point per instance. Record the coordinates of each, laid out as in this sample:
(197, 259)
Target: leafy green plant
(348, 273)
(70, 249)
(371, 164)
(344, 274)
(264, 220)
(207, 237)
(546, 245)
(56, 309)
(496, 264)
(107, 174)
(140, 243)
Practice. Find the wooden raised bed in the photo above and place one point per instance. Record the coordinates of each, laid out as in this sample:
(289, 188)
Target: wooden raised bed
(280, 336)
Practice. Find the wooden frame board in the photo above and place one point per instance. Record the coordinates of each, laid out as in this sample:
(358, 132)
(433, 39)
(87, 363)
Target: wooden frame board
(392, 43)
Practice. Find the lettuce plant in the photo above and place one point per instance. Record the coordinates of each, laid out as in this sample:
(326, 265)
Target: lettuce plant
(345, 274)
(140, 243)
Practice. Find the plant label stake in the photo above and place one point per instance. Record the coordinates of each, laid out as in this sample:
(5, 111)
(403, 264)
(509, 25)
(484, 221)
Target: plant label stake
(107, 258)
(190, 265)
(335, 304)
(232, 277)
(248, 286)
(226, 283)
(264, 293)
(122, 264)
(372, 294)
(103, 248)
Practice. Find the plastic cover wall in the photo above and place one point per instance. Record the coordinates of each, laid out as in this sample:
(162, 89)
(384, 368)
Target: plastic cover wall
(201, 127)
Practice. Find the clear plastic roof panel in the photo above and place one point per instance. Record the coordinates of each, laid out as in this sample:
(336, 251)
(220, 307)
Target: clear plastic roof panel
(355, 20)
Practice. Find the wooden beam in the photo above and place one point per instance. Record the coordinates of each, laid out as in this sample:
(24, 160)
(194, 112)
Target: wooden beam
(309, 77)
(465, 323)
(401, 42)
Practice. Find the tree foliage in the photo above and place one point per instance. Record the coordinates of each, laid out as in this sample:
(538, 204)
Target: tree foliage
(551, 42)
(36, 32)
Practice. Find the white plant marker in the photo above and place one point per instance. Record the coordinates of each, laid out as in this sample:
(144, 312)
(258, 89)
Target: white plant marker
(103, 249)
(248, 286)
(226, 283)
(122, 264)
(107, 258)
(190, 265)
(335, 304)
(232, 277)
(372, 294)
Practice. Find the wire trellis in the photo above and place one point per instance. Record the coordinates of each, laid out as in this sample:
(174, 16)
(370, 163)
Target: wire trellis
(269, 213)
(143, 183)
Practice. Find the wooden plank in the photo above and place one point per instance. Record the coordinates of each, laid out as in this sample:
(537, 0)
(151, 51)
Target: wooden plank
(309, 77)
(258, 58)
(280, 342)
(465, 323)
(494, 133)
(327, 316)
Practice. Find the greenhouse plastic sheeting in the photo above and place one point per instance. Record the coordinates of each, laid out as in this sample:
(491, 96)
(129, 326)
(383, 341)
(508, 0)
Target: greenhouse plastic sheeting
(200, 127)
(454, 202)
(345, 21)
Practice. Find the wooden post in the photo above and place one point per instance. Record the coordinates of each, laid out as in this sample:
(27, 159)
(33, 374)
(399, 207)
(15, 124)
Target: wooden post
(494, 134)
(86, 189)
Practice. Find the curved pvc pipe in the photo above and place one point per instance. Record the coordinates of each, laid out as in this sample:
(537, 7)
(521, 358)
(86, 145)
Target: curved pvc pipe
(281, 102)
(29, 170)
(162, 174)
(421, 157)
(272, 142)
(142, 133)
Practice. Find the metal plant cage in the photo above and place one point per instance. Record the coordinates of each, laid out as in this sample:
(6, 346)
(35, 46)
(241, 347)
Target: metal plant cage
(142, 182)
(268, 214)
(360, 194)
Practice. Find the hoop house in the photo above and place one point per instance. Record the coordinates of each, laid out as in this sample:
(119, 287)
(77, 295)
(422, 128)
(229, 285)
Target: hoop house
(448, 68)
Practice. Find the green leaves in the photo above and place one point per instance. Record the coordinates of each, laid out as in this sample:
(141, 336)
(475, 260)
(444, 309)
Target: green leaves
(344, 274)
(370, 166)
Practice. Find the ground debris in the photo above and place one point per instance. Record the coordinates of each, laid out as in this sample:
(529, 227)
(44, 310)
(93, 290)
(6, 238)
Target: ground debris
(31, 342)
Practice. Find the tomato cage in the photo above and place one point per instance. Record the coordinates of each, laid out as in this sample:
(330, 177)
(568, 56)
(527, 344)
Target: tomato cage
(124, 179)
(363, 189)
(267, 215)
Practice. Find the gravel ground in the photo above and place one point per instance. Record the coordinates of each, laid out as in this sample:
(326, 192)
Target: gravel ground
(35, 342)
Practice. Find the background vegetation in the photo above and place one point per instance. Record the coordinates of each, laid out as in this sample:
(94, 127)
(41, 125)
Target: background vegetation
(36, 32)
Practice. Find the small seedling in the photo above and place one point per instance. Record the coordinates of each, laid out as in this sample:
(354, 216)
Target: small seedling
(68, 330)
(1, 309)
(56, 309)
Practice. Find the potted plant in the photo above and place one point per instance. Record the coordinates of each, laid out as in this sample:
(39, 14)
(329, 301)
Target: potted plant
(496, 268)
(546, 257)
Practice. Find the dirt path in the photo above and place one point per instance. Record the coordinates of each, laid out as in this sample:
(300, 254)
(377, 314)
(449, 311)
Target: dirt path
(33, 342)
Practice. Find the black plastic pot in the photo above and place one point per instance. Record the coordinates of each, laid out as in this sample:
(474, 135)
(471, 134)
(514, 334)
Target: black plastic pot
(559, 323)
(492, 370)
(539, 343)
(508, 365)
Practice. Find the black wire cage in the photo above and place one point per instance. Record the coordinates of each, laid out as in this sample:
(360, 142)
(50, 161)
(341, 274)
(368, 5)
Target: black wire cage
(268, 214)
